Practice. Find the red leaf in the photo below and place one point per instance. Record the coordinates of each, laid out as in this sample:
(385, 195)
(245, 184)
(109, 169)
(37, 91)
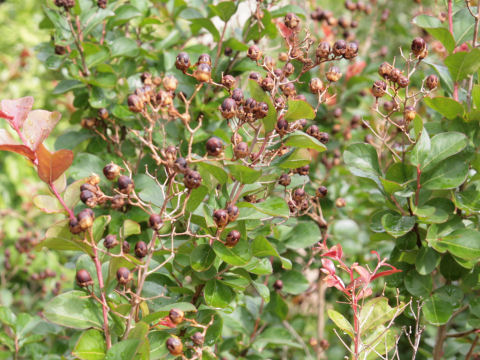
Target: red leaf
(386, 273)
(7, 143)
(51, 166)
(17, 110)
(355, 69)
(38, 126)
(328, 266)
(364, 274)
(166, 322)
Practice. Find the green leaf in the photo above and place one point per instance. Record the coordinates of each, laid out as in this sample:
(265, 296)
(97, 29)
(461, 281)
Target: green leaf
(124, 46)
(437, 311)
(59, 237)
(130, 227)
(376, 312)
(48, 204)
(299, 109)
(261, 247)
(447, 175)
(340, 321)
(303, 235)
(149, 190)
(362, 160)
(259, 266)
(202, 257)
(125, 13)
(436, 28)
(443, 73)
(218, 173)
(262, 290)
(445, 106)
(238, 255)
(294, 282)
(463, 243)
(90, 346)
(422, 148)
(217, 294)
(66, 86)
(7, 317)
(204, 23)
(298, 158)
(280, 12)
(476, 95)
(124, 349)
(244, 174)
(275, 335)
(301, 139)
(443, 146)
(74, 309)
(397, 225)
(258, 94)
(196, 197)
(418, 285)
(462, 64)
(273, 206)
(224, 10)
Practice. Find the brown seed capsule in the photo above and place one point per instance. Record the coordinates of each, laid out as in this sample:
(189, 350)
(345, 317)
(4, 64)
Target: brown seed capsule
(292, 206)
(198, 338)
(125, 184)
(174, 346)
(418, 46)
(118, 202)
(323, 137)
(283, 56)
(170, 83)
(146, 78)
(111, 171)
(279, 103)
(395, 74)
(267, 84)
(203, 72)
(385, 70)
(255, 76)
(351, 51)
(228, 81)
(323, 50)
(288, 89)
(232, 212)
(60, 50)
(350, 5)
(316, 85)
(228, 51)
(232, 239)
(303, 170)
(403, 81)
(261, 110)
(278, 285)
(135, 104)
(83, 278)
(102, 113)
(123, 275)
(214, 146)
(182, 62)
(180, 165)
(155, 221)
(110, 241)
(321, 192)
(228, 108)
(340, 202)
(288, 69)
(141, 249)
(281, 127)
(192, 179)
(339, 48)
(409, 113)
(291, 21)
(298, 195)
(337, 112)
(85, 219)
(88, 123)
(254, 53)
(241, 150)
(125, 247)
(269, 63)
(250, 105)
(313, 131)
(378, 89)
(431, 82)
(237, 96)
(284, 180)
(102, 4)
(333, 74)
(176, 316)
(220, 217)
(388, 106)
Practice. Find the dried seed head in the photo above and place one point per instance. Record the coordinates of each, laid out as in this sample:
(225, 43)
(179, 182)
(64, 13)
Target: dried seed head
(155, 221)
(170, 83)
(385, 69)
(111, 171)
(291, 21)
(192, 179)
(378, 89)
(220, 217)
(409, 113)
(321, 192)
(316, 85)
(323, 50)
(232, 239)
(125, 184)
(254, 53)
(198, 338)
(85, 219)
(174, 346)
(237, 96)
(232, 212)
(298, 195)
(135, 104)
(431, 82)
(282, 127)
(339, 48)
(181, 165)
(228, 81)
(83, 278)
(204, 59)
(176, 316)
(214, 146)
(333, 74)
(123, 275)
(203, 72)
(110, 241)
(418, 46)
(182, 62)
(241, 150)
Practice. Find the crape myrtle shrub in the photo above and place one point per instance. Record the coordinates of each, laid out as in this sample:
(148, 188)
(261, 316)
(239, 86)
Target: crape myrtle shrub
(238, 173)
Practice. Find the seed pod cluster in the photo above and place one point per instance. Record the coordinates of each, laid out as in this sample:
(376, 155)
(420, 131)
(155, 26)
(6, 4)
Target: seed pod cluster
(82, 222)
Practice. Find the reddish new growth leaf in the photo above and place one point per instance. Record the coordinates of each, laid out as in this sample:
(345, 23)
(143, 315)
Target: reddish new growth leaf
(166, 322)
(33, 127)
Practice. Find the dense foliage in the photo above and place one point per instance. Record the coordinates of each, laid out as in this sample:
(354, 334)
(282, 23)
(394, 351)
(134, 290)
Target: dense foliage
(240, 179)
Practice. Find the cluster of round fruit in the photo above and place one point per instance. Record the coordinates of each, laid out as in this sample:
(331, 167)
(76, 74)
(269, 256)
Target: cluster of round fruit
(66, 4)
(246, 110)
(300, 200)
(222, 217)
(157, 92)
(179, 165)
(202, 68)
(359, 6)
(84, 279)
(173, 343)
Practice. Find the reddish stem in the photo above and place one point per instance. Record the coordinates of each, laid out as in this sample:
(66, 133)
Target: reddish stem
(450, 28)
(62, 202)
(98, 267)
